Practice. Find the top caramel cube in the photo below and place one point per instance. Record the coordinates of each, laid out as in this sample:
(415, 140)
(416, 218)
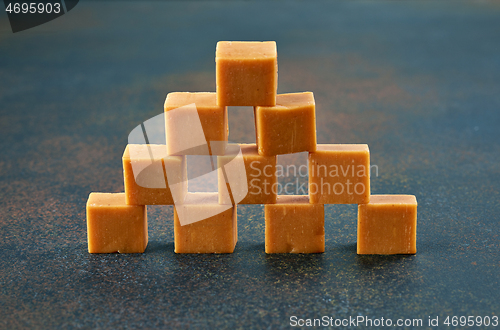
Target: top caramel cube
(246, 73)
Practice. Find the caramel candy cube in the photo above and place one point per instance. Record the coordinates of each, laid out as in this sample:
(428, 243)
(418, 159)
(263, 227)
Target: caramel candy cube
(151, 177)
(293, 225)
(339, 174)
(260, 177)
(114, 226)
(215, 229)
(388, 225)
(288, 127)
(194, 123)
(246, 73)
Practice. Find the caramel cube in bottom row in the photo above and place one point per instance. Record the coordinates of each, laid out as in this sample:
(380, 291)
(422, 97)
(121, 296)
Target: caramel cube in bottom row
(388, 225)
(114, 226)
(218, 233)
(293, 225)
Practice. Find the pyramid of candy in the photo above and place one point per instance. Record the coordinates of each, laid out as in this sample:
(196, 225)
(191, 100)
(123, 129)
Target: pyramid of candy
(246, 75)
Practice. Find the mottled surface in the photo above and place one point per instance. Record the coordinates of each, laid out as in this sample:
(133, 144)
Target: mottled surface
(418, 82)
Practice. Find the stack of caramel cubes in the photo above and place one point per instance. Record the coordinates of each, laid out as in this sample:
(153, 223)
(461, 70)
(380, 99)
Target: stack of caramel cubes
(247, 75)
